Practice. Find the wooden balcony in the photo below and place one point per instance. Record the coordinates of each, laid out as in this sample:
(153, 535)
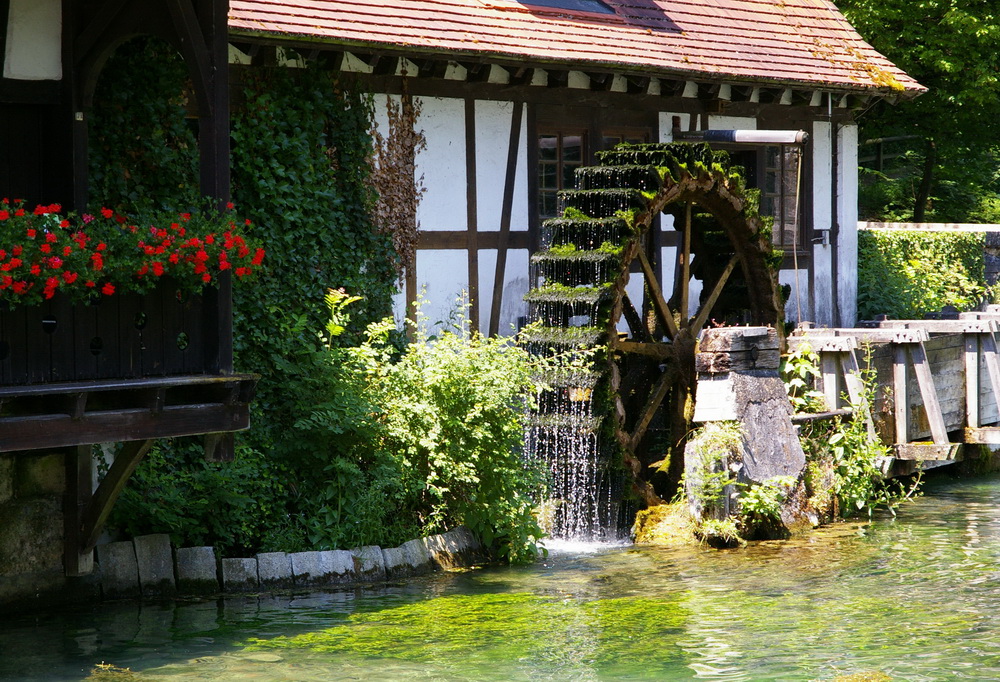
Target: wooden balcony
(123, 368)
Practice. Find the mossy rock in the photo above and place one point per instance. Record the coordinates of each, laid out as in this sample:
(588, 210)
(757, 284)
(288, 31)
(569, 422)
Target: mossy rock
(668, 525)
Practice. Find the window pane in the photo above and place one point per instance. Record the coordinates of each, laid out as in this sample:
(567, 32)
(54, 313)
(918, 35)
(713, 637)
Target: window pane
(548, 147)
(573, 148)
(548, 176)
(549, 204)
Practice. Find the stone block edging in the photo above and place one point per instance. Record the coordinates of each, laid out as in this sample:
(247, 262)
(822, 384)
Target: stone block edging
(199, 571)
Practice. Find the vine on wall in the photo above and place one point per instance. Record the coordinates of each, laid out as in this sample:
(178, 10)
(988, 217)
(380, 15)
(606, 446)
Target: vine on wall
(300, 168)
(395, 180)
(143, 146)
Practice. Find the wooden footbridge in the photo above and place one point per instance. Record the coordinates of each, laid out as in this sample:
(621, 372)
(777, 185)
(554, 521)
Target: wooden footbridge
(938, 382)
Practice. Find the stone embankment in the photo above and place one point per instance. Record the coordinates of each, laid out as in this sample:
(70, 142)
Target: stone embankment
(149, 567)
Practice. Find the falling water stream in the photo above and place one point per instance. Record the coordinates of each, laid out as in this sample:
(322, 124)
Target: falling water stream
(916, 597)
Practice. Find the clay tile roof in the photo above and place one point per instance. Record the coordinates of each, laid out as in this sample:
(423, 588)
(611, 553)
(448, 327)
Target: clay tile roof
(801, 43)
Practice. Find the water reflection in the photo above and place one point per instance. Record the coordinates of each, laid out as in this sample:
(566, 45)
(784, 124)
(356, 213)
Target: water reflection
(915, 597)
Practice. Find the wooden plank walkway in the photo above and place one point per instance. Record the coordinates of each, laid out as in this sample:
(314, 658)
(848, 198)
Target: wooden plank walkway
(938, 382)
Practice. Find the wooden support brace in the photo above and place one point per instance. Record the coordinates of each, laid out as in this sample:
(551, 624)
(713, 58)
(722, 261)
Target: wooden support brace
(855, 388)
(706, 309)
(195, 52)
(983, 435)
(926, 451)
(635, 323)
(220, 447)
(988, 344)
(652, 404)
(831, 384)
(932, 408)
(99, 508)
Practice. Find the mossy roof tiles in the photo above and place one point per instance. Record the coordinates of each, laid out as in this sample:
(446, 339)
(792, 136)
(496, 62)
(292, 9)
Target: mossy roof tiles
(800, 43)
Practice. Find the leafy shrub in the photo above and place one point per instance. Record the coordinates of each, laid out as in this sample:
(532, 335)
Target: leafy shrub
(416, 440)
(228, 504)
(906, 274)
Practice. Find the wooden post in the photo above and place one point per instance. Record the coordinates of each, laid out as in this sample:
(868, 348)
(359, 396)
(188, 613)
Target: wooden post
(972, 350)
(77, 561)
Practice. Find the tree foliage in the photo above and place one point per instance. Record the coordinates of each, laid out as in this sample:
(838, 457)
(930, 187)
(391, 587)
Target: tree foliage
(950, 46)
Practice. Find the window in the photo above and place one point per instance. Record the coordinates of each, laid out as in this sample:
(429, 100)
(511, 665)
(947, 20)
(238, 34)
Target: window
(577, 5)
(559, 155)
(778, 196)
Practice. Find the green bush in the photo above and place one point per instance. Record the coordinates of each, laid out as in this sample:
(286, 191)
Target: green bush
(906, 274)
(229, 504)
(416, 441)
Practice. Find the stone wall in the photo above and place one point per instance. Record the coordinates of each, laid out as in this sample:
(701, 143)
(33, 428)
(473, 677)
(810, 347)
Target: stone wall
(32, 571)
(32, 486)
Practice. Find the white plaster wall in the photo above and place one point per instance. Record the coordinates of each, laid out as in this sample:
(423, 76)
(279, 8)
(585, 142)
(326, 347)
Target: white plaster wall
(799, 306)
(822, 285)
(442, 277)
(442, 165)
(847, 203)
(34, 40)
(493, 121)
(515, 286)
(666, 125)
(716, 122)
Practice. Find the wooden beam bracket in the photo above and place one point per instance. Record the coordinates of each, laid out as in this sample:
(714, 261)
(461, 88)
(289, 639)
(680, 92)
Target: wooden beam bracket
(96, 513)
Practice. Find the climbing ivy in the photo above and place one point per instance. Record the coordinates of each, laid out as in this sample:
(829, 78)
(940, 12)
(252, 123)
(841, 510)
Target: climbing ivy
(143, 145)
(300, 171)
(301, 144)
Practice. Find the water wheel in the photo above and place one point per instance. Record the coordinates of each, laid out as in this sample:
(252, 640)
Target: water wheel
(640, 394)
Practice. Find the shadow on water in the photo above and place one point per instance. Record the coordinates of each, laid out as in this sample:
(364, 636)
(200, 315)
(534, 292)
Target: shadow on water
(917, 597)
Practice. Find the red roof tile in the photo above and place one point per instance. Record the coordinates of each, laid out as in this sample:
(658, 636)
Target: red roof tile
(806, 43)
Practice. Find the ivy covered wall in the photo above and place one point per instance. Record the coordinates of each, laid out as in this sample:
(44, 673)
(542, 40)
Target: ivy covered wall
(300, 147)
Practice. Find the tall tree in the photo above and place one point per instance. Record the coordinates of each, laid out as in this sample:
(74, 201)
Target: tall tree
(950, 169)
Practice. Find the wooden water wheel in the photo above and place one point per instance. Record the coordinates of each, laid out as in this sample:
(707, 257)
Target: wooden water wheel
(605, 237)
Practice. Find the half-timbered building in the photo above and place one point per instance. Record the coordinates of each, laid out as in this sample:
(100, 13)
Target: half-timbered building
(517, 94)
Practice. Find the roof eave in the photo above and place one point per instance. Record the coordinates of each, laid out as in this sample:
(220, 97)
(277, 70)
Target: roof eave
(897, 91)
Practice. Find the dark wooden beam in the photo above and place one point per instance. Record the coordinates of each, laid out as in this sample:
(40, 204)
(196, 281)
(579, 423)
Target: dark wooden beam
(601, 82)
(458, 239)
(60, 430)
(431, 68)
(521, 75)
(220, 447)
(471, 212)
(93, 33)
(29, 92)
(78, 462)
(638, 84)
(738, 93)
(558, 79)
(513, 146)
(477, 72)
(97, 511)
(383, 65)
(196, 53)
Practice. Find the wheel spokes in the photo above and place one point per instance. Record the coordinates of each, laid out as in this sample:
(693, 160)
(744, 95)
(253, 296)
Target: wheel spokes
(659, 303)
(702, 317)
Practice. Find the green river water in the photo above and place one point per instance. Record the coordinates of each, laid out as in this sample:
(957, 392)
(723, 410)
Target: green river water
(917, 598)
